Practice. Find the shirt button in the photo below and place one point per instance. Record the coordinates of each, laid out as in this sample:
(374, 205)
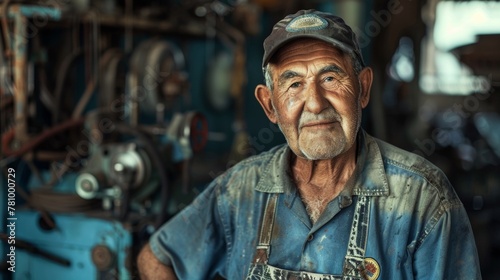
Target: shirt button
(344, 201)
(310, 237)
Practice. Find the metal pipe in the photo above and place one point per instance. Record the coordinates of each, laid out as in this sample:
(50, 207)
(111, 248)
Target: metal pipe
(20, 14)
(189, 28)
(32, 143)
(20, 74)
(5, 26)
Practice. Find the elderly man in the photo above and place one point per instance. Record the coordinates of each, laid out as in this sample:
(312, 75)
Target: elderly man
(332, 203)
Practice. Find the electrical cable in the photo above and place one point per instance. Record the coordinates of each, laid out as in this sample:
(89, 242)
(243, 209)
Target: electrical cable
(154, 154)
(62, 73)
(61, 202)
(5, 101)
(94, 66)
(43, 213)
(24, 245)
(8, 136)
(84, 100)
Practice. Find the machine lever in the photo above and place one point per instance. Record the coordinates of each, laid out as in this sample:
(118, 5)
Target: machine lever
(36, 251)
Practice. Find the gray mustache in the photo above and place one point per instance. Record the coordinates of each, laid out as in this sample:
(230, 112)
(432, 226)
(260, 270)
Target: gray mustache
(328, 115)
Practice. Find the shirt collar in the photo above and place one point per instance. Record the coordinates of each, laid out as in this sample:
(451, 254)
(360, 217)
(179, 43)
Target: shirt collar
(276, 174)
(369, 177)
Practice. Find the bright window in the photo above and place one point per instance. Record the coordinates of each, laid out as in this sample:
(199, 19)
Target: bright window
(455, 24)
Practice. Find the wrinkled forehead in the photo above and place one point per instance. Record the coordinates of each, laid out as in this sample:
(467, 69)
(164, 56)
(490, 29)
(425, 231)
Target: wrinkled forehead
(305, 46)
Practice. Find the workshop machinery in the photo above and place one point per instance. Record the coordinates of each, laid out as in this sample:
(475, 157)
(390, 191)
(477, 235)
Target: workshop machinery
(99, 124)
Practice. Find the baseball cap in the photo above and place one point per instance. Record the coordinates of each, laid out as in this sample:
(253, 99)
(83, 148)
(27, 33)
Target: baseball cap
(312, 24)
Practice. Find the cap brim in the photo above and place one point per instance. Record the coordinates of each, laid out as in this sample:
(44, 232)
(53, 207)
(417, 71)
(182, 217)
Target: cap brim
(332, 41)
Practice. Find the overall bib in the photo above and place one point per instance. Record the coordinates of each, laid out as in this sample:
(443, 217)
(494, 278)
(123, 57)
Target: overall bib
(354, 263)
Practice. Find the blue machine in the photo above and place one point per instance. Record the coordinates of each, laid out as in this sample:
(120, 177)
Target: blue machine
(91, 223)
(80, 247)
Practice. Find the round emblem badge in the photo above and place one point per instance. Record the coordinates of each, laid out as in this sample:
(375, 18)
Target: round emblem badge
(372, 269)
(306, 22)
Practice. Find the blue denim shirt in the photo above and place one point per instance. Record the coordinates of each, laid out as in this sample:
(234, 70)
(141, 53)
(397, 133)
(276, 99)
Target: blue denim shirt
(418, 228)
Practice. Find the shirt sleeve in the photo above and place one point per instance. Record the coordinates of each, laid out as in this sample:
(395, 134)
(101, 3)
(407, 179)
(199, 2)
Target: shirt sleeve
(193, 241)
(448, 251)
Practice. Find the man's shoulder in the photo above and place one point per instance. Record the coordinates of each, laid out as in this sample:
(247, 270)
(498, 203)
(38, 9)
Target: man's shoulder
(400, 164)
(399, 158)
(237, 186)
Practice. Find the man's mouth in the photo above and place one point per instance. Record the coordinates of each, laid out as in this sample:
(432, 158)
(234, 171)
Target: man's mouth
(319, 124)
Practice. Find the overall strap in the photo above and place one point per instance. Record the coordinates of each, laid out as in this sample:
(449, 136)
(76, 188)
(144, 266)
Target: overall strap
(355, 257)
(266, 230)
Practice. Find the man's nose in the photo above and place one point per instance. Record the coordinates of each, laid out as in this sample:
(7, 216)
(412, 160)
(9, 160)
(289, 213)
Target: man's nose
(315, 101)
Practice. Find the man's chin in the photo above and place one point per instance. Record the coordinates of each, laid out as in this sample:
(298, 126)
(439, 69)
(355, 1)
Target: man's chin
(321, 147)
(320, 154)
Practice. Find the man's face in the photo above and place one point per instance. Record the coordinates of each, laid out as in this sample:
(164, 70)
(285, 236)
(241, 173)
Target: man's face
(317, 98)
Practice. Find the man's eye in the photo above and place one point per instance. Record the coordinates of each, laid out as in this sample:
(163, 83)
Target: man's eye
(295, 85)
(329, 79)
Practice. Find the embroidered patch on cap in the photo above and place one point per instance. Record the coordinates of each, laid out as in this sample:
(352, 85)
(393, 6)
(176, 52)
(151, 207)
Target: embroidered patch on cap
(306, 22)
(372, 269)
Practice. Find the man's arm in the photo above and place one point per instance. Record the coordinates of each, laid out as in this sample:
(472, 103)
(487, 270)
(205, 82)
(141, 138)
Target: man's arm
(448, 251)
(150, 268)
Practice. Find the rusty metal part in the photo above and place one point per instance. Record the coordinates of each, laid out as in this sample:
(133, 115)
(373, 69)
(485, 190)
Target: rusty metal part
(20, 74)
(20, 14)
(198, 130)
(5, 24)
(102, 257)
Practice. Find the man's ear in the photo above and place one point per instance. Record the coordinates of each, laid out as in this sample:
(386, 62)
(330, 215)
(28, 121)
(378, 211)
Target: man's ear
(263, 95)
(365, 79)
